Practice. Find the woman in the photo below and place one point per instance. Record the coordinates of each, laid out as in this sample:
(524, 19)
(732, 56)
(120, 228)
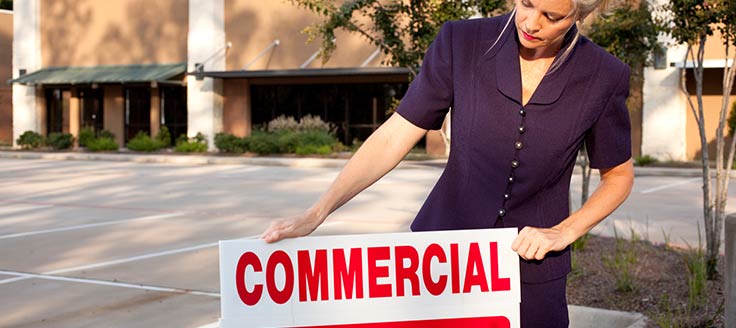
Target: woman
(524, 96)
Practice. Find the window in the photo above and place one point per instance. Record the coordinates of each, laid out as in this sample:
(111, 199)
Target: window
(137, 111)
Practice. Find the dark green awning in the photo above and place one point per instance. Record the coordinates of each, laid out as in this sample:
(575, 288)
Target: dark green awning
(103, 74)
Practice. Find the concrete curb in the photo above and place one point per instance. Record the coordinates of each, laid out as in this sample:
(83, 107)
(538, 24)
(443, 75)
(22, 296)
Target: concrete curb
(283, 161)
(581, 316)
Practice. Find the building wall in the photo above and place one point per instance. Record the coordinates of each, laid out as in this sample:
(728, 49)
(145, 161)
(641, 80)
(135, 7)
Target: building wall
(114, 112)
(712, 103)
(6, 73)
(236, 112)
(252, 26)
(97, 32)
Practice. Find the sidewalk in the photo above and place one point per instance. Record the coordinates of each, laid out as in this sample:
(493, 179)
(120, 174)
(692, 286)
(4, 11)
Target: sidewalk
(174, 158)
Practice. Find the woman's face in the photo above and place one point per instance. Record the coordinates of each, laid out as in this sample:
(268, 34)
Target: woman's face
(542, 24)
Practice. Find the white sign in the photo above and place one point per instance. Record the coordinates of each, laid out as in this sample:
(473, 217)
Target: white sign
(417, 279)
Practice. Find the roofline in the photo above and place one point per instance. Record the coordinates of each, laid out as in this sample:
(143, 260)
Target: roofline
(307, 72)
(707, 63)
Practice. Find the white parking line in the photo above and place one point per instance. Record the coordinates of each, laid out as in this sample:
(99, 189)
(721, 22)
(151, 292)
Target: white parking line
(90, 225)
(109, 283)
(674, 184)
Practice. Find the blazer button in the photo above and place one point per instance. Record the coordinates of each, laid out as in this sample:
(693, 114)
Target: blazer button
(522, 129)
(506, 196)
(522, 112)
(514, 163)
(518, 145)
(511, 179)
(501, 212)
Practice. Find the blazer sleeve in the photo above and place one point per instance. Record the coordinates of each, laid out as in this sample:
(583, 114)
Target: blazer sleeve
(430, 95)
(609, 140)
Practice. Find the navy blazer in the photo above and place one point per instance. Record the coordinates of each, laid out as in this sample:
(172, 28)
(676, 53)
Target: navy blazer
(510, 165)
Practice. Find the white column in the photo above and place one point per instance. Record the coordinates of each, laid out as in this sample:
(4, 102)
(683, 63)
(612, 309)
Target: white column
(664, 130)
(26, 55)
(206, 46)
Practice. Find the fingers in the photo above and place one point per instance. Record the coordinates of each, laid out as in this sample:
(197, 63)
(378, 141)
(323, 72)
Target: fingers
(532, 244)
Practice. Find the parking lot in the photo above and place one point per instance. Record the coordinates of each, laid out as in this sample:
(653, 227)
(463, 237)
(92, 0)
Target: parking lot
(120, 244)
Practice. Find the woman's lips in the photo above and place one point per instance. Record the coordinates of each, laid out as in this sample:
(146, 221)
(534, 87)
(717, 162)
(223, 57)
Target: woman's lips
(527, 36)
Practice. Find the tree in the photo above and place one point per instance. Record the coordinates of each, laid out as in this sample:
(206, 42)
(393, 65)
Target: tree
(629, 33)
(403, 30)
(690, 23)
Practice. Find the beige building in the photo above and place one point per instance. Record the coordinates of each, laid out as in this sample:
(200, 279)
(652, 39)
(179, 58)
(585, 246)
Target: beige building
(6, 69)
(194, 66)
(214, 66)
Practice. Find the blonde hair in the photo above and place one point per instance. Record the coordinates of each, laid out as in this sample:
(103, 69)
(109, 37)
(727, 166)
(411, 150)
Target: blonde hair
(581, 9)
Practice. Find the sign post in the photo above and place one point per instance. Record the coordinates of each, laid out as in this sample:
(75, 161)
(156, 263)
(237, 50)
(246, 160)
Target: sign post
(462, 278)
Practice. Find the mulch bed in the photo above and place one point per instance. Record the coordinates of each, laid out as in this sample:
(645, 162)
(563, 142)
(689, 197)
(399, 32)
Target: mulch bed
(660, 285)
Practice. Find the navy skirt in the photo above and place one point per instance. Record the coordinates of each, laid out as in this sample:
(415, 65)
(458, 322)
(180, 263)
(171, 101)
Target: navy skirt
(544, 305)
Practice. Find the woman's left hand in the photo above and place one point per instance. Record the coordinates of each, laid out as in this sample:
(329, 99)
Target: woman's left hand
(534, 243)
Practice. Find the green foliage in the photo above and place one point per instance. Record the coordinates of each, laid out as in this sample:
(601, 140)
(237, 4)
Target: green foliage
(690, 20)
(262, 143)
(628, 33)
(622, 263)
(229, 143)
(143, 142)
(86, 135)
(645, 160)
(60, 140)
(106, 134)
(198, 144)
(696, 264)
(30, 140)
(104, 143)
(6, 4)
(164, 136)
(401, 29)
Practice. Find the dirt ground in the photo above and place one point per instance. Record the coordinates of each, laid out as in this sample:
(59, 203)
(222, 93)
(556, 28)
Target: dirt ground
(659, 284)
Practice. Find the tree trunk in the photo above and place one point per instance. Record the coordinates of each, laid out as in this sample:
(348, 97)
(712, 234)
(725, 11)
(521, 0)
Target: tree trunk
(635, 104)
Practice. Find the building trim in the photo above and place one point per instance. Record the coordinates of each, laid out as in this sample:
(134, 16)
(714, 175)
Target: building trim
(707, 63)
(315, 72)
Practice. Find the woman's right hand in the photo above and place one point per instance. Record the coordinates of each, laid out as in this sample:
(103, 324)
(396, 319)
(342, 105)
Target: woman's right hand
(297, 226)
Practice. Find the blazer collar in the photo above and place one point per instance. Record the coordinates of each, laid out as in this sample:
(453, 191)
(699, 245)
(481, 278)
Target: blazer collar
(508, 72)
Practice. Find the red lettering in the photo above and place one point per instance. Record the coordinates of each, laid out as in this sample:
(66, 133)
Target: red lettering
(455, 267)
(311, 278)
(475, 264)
(374, 272)
(406, 273)
(348, 278)
(276, 258)
(497, 284)
(249, 298)
(434, 288)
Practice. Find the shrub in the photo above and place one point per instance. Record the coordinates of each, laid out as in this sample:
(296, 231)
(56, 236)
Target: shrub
(315, 123)
(313, 149)
(143, 142)
(60, 140)
(198, 144)
(102, 144)
(261, 142)
(86, 135)
(732, 120)
(106, 134)
(164, 136)
(229, 143)
(645, 160)
(30, 140)
(282, 123)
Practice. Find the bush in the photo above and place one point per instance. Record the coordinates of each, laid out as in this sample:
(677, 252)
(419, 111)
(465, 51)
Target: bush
(60, 140)
(142, 142)
(282, 123)
(86, 135)
(30, 140)
(102, 144)
(198, 144)
(106, 134)
(229, 143)
(164, 136)
(262, 143)
(645, 160)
